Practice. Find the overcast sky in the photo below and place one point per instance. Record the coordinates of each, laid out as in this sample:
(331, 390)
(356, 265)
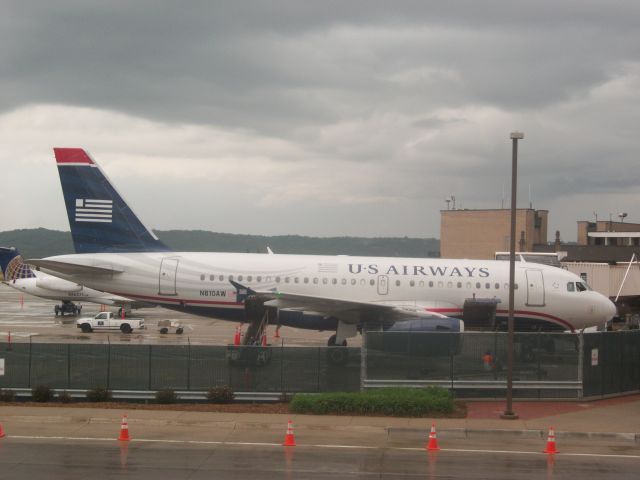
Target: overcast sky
(322, 118)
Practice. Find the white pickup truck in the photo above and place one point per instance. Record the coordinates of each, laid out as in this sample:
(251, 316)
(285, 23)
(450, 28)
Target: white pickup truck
(109, 321)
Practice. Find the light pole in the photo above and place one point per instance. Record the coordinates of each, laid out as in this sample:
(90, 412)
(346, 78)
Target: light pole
(508, 413)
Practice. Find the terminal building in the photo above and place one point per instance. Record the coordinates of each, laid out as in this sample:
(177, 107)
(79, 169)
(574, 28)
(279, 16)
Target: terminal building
(606, 253)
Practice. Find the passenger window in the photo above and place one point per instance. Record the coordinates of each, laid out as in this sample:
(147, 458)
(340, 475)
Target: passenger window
(449, 284)
(315, 281)
(212, 278)
(372, 282)
(440, 284)
(487, 285)
(353, 281)
(296, 280)
(334, 281)
(362, 282)
(421, 284)
(478, 285)
(258, 279)
(343, 281)
(306, 279)
(202, 277)
(571, 287)
(497, 286)
(249, 278)
(430, 284)
(221, 278)
(325, 281)
(277, 279)
(459, 284)
(230, 277)
(397, 283)
(240, 277)
(286, 279)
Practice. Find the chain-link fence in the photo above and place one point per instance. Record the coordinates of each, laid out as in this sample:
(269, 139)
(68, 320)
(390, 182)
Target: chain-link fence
(180, 367)
(546, 365)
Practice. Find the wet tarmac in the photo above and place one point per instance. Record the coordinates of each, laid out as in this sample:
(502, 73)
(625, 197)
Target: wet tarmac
(26, 318)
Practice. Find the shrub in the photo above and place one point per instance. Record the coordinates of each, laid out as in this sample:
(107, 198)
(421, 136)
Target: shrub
(65, 397)
(222, 394)
(98, 394)
(7, 396)
(166, 396)
(42, 393)
(398, 402)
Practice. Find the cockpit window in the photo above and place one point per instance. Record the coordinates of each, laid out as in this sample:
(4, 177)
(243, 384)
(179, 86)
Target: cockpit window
(582, 287)
(571, 287)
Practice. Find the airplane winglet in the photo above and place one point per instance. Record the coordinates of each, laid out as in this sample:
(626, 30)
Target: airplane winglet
(269, 251)
(72, 156)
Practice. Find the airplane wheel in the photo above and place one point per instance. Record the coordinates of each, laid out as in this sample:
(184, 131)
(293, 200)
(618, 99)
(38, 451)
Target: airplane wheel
(332, 342)
(337, 355)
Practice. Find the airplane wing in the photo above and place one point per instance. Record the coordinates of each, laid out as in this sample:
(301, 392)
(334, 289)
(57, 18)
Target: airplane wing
(347, 310)
(68, 268)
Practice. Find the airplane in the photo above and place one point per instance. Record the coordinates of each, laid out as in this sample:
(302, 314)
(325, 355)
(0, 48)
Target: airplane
(17, 274)
(117, 253)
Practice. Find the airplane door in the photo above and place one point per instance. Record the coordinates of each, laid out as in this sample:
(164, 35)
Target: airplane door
(167, 279)
(383, 284)
(535, 288)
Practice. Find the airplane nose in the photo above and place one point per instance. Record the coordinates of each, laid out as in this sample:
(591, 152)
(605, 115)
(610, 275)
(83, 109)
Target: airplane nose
(609, 309)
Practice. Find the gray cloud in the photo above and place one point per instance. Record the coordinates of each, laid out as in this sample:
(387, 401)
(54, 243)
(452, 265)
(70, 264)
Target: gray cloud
(366, 108)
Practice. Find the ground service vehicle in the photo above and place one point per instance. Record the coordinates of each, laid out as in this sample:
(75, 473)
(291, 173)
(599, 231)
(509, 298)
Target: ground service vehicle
(108, 321)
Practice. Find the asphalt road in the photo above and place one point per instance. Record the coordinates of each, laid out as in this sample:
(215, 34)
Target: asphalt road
(26, 459)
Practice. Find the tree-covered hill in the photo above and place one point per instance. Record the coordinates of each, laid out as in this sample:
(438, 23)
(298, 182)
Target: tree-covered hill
(40, 242)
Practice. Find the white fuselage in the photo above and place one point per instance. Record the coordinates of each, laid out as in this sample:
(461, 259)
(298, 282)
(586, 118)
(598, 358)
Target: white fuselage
(54, 288)
(200, 283)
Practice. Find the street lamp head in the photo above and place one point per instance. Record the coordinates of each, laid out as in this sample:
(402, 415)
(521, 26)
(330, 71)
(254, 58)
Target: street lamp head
(517, 135)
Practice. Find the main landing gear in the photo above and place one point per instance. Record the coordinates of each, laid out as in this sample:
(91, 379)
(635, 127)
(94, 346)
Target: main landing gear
(337, 353)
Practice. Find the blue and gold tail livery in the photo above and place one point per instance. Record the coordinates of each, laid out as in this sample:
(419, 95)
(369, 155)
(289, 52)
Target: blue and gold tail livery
(99, 218)
(12, 266)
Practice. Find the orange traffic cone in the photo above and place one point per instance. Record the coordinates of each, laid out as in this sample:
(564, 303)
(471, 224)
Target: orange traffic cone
(124, 430)
(433, 439)
(2, 434)
(289, 440)
(551, 442)
(236, 337)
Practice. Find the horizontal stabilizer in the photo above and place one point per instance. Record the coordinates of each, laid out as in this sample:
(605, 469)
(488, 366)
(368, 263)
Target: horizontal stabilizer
(68, 268)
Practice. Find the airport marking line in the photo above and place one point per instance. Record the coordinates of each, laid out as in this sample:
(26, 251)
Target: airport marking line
(352, 447)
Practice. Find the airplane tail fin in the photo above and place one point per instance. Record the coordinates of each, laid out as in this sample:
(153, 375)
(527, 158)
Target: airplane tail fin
(100, 219)
(12, 266)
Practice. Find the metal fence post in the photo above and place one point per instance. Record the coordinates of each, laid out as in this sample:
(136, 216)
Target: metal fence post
(30, 361)
(581, 363)
(108, 362)
(188, 364)
(363, 360)
(149, 367)
(68, 365)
